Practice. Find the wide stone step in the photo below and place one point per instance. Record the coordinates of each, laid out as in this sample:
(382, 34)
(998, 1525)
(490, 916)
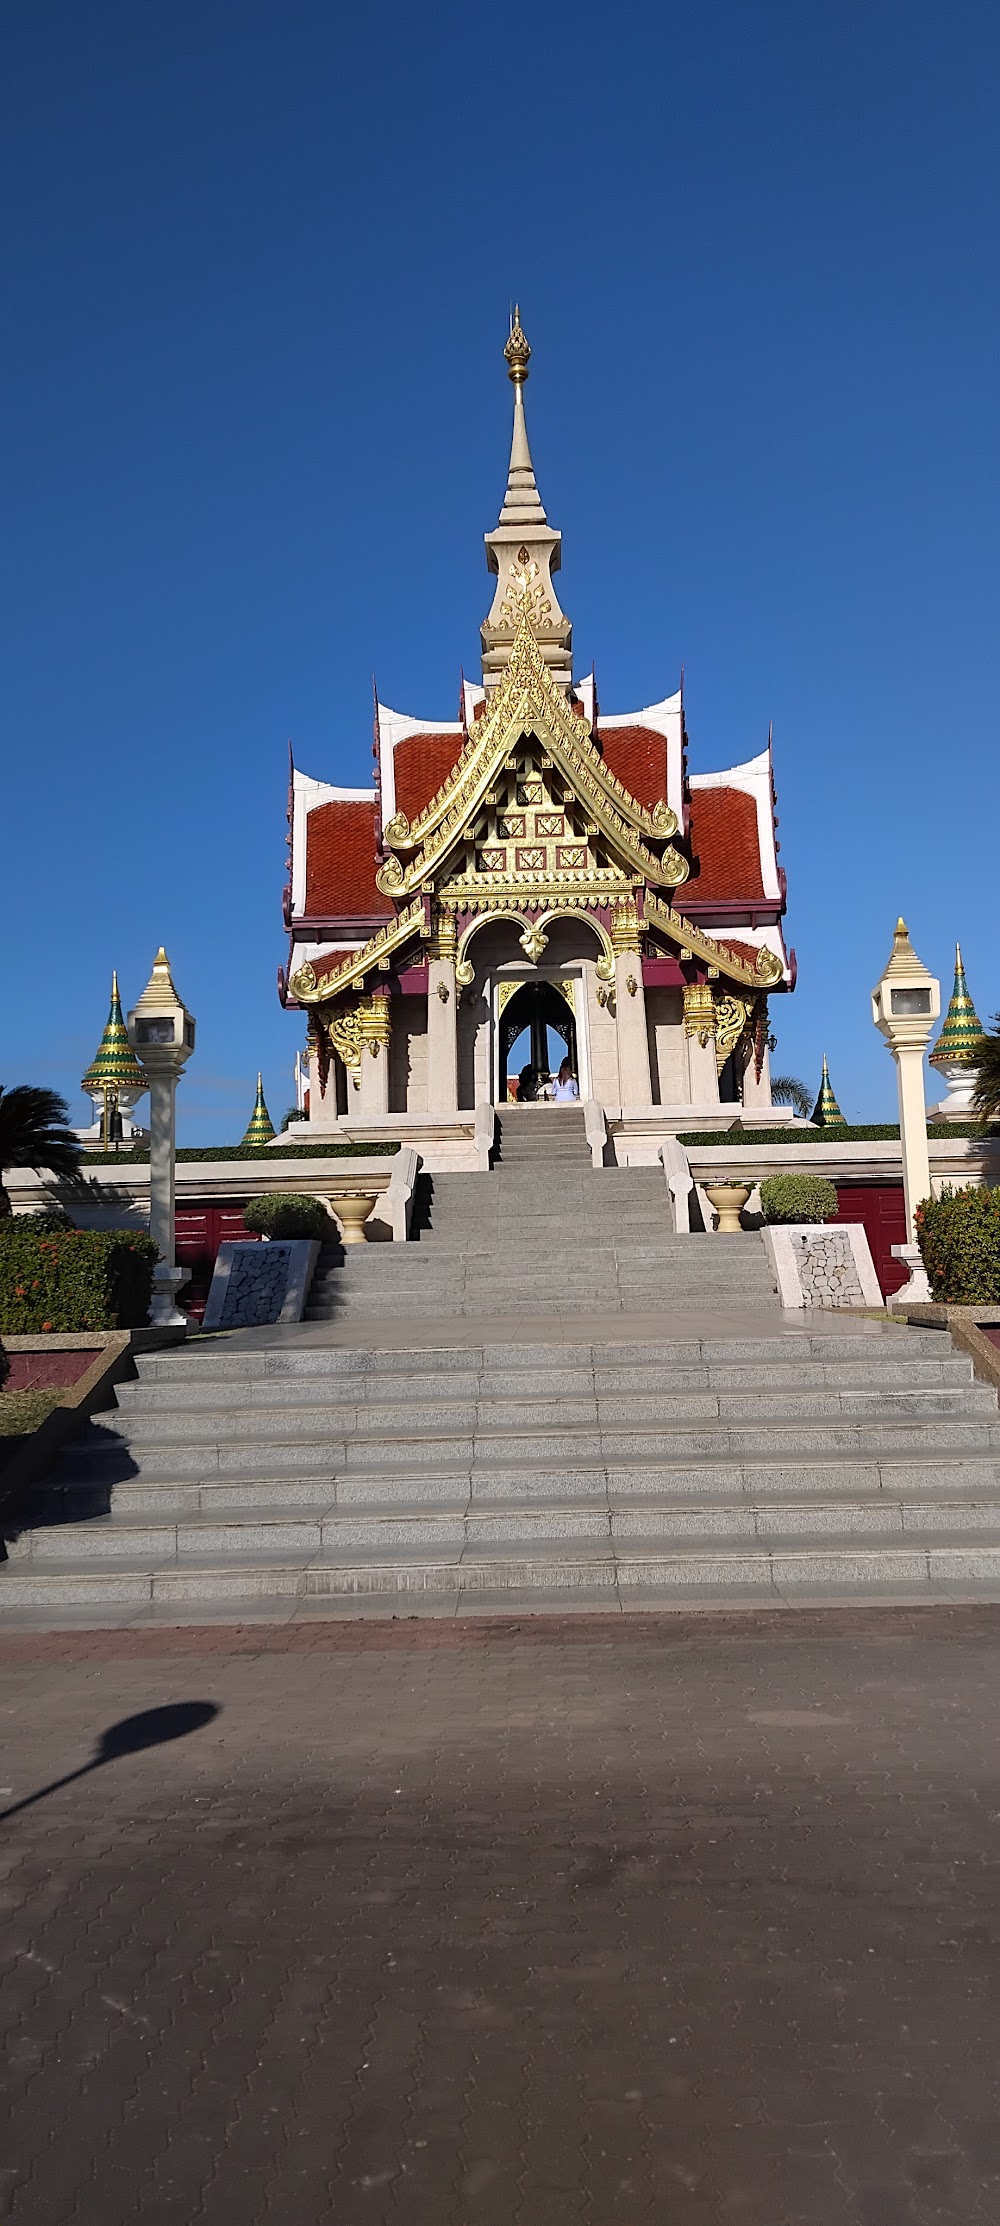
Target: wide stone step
(221, 1360)
(305, 1392)
(514, 1451)
(923, 1477)
(759, 1569)
(281, 1529)
(531, 1411)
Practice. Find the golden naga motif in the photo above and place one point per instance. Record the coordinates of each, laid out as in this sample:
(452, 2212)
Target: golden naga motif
(529, 702)
(345, 1037)
(732, 1015)
(376, 952)
(693, 942)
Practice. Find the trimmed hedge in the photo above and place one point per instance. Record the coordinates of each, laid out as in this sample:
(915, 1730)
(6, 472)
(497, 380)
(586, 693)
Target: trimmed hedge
(280, 1213)
(74, 1279)
(877, 1133)
(260, 1153)
(797, 1198)
(959, 1239)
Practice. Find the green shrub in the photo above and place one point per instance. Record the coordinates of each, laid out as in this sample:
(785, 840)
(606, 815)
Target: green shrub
(959, 1238)
(797, 1198)
(280, 1213)
(69, 1279)
(41, 1224)
(255, 1153)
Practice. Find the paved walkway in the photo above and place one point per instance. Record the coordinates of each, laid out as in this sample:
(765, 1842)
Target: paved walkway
(490, 1925)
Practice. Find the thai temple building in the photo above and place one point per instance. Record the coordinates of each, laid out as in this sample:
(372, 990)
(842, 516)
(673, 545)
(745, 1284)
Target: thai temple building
(536, 864)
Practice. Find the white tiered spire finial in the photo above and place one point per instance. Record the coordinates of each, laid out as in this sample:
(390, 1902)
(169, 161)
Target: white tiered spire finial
(522, 503)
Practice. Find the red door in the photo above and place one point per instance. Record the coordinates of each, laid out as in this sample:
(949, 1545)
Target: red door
(879, 1207)
(199, 1232)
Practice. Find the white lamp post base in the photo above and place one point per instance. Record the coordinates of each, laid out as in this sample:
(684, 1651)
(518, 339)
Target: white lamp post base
(164, 1312)
(917, 1292)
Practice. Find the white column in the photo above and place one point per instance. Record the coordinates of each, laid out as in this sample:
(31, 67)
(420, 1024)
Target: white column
(630, 1020)
(913, 1134)
(375, 1059)
(754, 1092)
(162, 1177)
(442, 1036)
(699, 1031)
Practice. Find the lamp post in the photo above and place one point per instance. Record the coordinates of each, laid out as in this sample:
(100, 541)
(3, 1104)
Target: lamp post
(906, 1002)
(161, 1032)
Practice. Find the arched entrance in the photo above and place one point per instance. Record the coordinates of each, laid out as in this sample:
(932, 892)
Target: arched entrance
(537, 1007)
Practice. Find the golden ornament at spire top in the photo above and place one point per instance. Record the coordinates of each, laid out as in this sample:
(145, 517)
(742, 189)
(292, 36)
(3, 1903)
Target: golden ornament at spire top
(517, 350)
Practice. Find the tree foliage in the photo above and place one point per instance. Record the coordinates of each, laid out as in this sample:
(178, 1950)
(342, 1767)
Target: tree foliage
(34, 1133)
(987, 1096)
(786, 1089)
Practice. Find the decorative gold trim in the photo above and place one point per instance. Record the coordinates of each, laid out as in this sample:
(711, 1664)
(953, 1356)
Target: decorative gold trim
(731, 1017)
(692, 942)
(528, 701)
(308, 991)
(699, 1012)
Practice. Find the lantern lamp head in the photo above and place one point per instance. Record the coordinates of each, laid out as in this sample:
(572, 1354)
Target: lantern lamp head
(160, 1028)
(906, 1000)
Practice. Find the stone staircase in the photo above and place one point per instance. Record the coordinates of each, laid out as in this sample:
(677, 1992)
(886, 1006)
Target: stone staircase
(543, 1230)
(270, 1478)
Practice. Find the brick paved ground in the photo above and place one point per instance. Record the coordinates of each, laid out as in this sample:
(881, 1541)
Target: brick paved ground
(689, 1921)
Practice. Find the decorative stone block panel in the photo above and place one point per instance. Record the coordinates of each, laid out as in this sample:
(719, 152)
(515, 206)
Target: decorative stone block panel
(255, 1285)
(822, 1264)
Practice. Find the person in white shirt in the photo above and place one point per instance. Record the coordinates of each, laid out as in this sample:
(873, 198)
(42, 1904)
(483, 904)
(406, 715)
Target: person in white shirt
(565, 1087)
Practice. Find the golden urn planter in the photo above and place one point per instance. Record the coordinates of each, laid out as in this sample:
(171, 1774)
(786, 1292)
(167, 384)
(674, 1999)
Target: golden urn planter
(729, 1200)
(352, 1208)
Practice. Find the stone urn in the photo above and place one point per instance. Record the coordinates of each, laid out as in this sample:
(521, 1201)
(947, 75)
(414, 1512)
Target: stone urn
(729, 1200)
(352, 1208)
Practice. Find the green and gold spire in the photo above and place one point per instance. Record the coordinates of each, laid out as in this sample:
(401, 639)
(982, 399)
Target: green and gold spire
(261, 1129)
(826, 1112)
(959, 1040)
(114, 1068)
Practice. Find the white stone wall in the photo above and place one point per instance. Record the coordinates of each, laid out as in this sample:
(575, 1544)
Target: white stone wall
(408, 1056)
(668, 1069)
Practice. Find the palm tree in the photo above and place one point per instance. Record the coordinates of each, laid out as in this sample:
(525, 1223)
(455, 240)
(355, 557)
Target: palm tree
(987, 1092)
(33, 1133)
(786, 1089)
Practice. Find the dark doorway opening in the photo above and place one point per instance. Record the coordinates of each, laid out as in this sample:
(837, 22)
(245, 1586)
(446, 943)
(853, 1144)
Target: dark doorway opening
(535, 1010)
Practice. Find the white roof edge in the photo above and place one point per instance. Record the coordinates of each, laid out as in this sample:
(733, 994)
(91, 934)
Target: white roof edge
(653, 715)
(736, 776)
(401, 725)
(324, 792)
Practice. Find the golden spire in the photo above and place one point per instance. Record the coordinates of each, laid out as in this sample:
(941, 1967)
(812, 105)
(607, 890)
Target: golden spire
(261, 1126)
(517, 350)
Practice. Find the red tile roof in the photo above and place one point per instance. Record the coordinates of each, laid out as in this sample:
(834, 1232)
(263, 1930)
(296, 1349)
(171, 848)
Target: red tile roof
(421, 765)
(340, 862)
(637, 756)
(725, 850)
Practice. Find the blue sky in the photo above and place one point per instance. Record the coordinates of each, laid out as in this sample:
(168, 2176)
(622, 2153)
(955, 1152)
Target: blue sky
(257, 283)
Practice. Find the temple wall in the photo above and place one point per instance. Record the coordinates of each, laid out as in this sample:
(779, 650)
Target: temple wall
(668, 1066)
(604, 1082)
(408, 1056)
